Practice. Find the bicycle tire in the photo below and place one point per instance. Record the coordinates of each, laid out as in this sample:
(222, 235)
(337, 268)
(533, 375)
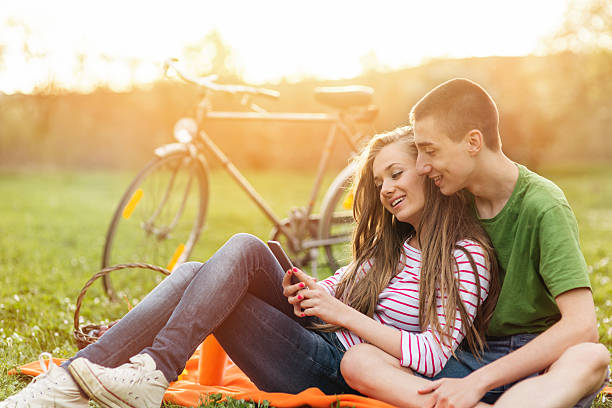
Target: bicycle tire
(130, 248)
(337, 219)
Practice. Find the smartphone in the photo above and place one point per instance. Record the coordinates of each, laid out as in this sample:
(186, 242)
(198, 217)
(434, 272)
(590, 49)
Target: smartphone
(282, 259)
(280, 255)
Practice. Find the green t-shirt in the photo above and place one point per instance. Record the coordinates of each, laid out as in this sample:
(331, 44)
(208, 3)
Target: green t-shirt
(535, 237)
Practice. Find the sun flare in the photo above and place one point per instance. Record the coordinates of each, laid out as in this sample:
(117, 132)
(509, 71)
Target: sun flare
(124, 43)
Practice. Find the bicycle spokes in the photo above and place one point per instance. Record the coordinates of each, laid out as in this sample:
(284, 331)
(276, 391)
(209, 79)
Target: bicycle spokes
(157, 223)
(183, 203)
(164, 199)
(165, 215)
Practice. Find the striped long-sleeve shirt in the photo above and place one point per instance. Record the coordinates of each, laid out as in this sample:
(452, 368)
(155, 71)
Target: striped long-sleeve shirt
(423, 350)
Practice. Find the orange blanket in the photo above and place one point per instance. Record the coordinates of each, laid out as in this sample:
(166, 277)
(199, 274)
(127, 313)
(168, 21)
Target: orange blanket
(187, 392)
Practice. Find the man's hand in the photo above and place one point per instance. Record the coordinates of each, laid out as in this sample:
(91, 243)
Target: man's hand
(454, 393)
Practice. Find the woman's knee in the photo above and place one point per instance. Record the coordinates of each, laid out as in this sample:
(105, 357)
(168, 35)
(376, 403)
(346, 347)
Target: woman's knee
(186, 271)
(243, 243)
(244, 238)
(188, 267)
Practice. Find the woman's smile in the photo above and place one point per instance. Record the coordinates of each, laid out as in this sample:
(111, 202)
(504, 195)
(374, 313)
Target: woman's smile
(400, 187)
(397, 201)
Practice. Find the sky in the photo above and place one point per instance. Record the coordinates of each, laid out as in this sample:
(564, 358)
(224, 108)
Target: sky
(80, 44)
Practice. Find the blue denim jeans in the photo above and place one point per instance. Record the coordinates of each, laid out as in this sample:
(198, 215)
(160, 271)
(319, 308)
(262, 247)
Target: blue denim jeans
(465, 363)
(237, 295)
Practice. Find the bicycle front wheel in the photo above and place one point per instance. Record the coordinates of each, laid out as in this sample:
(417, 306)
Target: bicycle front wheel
(337, 222)
(160, 216)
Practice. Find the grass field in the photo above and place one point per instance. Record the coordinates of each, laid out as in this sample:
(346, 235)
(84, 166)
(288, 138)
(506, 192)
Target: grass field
(52, 228)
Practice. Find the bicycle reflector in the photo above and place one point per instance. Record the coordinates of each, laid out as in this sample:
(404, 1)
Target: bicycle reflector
(185, 130)
(177, 254)
(348, 201)
(131, 205)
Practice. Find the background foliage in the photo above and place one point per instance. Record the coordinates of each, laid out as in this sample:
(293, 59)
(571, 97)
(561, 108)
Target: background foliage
(553, 108)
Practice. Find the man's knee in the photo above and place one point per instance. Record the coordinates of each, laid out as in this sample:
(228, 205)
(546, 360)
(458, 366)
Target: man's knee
(601, 355)
(595, 356)
(587, 361)
(352, 363)
(600, 358)
(357, 362)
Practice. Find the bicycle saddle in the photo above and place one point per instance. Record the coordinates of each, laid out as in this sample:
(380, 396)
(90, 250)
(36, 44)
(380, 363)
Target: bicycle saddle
(344, 96)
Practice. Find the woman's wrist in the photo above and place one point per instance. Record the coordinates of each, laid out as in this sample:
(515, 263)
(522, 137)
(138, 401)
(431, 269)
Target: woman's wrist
(348, 317)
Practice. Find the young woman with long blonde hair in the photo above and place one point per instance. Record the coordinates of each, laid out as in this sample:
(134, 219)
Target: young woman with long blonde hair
(421, 271)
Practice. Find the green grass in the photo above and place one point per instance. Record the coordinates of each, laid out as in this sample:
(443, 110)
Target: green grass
(52, 228)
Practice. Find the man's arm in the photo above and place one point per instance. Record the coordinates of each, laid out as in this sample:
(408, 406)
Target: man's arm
(577, 325)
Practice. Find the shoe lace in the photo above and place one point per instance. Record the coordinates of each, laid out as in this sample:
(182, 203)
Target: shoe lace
(41, 361)
(36, 388)
(43, 366)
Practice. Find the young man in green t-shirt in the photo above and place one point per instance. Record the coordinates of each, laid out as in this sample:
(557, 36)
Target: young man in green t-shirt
(545, 286)
(541, 342)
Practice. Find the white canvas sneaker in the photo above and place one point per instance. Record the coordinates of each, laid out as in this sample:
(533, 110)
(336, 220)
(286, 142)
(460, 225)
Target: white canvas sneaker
(137, 384)
(54, 388)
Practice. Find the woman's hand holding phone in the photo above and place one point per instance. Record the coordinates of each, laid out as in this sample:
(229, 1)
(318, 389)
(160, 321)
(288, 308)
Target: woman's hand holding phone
(291, 284)
(302, 291)
(291, 287)
(310, 299)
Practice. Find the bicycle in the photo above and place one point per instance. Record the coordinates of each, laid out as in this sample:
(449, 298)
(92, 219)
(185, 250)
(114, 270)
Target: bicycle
(175, 184)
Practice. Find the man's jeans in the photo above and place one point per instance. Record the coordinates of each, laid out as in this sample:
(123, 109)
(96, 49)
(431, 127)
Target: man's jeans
(237, 295)
(466, 363)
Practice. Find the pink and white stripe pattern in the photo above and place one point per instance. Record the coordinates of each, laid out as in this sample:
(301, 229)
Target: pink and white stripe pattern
(423, 351)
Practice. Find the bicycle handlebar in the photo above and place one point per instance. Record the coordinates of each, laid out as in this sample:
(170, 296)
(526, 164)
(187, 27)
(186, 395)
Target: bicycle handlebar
(208, 83)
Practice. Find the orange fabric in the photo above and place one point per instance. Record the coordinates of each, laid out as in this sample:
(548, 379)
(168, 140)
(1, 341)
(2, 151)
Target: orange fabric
(188, 392)
(33, 368)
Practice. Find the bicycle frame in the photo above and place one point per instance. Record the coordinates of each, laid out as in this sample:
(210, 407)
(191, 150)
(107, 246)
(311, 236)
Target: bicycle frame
(338, 124)
(303, 232)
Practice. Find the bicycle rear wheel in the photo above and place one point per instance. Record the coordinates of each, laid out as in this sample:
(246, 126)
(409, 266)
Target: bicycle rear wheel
(160, 216)
(337, 222)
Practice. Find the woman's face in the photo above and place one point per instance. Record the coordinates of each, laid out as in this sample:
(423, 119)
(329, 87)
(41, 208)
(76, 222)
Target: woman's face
(400, 189)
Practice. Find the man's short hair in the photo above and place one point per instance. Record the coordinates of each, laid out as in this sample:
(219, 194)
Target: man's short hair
(458, 106)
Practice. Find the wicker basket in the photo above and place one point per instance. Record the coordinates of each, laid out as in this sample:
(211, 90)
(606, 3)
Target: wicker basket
(88, 334)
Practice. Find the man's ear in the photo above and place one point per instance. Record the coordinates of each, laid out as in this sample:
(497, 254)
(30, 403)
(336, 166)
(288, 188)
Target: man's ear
(473, 141)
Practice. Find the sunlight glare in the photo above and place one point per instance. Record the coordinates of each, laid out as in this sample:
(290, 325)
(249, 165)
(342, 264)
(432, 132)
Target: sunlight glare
(124, 43)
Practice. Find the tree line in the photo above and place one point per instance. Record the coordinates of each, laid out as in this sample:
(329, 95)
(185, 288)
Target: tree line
(553, 109)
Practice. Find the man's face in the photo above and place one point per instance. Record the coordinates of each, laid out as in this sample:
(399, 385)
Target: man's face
(446, 161)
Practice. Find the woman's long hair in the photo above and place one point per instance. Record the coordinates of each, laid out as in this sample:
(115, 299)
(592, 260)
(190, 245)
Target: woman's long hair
(378, 237)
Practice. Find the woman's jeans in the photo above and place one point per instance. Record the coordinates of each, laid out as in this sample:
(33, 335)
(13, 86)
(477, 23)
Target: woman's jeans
(237, 295)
